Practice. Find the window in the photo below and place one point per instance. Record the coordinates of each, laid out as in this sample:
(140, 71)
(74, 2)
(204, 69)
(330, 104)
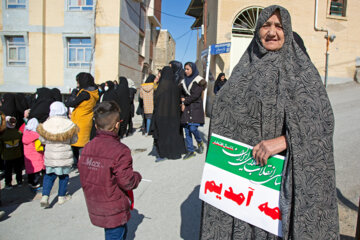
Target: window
(16, 4)
(338, 8)
(245, 22)
(141, 45)
(79, 52)
(80, 5)
(16, 51)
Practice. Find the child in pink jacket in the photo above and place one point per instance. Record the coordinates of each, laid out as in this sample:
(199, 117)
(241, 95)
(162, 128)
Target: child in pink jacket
(33, 153)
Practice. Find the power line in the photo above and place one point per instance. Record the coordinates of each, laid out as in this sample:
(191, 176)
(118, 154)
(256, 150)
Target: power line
(182, 35)
(187, 45)
(170, 15)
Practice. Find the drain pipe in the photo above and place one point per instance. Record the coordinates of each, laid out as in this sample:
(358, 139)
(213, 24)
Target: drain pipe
(327, 42)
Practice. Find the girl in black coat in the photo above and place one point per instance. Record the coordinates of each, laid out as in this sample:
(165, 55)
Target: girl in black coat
(192, 115)
(220, 81)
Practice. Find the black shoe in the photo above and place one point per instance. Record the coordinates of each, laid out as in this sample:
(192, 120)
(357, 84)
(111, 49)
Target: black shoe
(189, 155)
(200, 148)
(160, 159)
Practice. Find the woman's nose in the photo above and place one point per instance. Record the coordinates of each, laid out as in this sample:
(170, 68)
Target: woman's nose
(272, 31)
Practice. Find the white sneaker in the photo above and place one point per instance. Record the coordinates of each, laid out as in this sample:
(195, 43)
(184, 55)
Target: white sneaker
(44, 202)
(63, 199)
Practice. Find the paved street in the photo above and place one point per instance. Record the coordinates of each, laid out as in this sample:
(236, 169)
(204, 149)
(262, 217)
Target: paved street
(166, 201)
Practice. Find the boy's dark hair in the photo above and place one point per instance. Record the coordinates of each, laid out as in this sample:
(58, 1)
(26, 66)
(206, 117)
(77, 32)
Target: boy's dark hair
(106, 115)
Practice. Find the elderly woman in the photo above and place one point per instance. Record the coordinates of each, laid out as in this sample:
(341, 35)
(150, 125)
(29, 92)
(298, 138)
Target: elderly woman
(276, 102)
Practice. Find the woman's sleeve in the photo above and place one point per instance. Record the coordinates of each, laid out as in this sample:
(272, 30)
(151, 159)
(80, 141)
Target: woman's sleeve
(83, 96)
(74, 139)
(216, 88)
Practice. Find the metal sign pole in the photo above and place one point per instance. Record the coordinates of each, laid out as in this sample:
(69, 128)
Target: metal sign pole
(207, 78)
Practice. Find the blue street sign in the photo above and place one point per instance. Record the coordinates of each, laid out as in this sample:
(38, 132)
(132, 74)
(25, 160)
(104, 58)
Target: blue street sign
(220, 48)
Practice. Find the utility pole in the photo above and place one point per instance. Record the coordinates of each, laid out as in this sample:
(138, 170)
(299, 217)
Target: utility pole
(205, 13)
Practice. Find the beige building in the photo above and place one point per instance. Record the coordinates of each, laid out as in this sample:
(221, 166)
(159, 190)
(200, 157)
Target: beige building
(234, 21)
(165, 49)
(47, 43)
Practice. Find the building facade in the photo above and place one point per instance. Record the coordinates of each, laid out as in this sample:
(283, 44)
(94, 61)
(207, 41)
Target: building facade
(46, 43)
(165, 49)
(234, 21)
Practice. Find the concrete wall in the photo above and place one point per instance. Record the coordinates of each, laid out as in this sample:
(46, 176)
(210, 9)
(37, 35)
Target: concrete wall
(106, 39)
(47, 25)
(129, 43)
(14, 22)
(1, 47)
(343, 50)
(165, 50)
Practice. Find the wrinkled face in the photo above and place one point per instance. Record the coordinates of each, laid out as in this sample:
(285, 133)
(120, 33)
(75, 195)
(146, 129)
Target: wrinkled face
(188, 70)
(271, 33)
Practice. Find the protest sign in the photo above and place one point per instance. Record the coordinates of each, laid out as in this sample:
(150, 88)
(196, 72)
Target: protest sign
(233, 183)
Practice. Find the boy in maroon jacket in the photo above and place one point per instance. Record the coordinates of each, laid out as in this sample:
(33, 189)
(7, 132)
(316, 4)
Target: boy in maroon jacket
(106, 174)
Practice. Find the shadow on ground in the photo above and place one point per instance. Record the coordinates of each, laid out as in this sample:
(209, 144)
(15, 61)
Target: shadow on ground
(344, 237)
(135, 220)
(11, 199)
(343, 200)
(190, 216)
(73, 186)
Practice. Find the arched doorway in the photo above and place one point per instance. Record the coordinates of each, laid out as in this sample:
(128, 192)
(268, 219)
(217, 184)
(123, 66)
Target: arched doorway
(243, 32)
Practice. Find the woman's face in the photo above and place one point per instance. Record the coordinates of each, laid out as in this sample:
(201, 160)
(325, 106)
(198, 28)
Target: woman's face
(188, 70)
(271, 33)
(222, 78)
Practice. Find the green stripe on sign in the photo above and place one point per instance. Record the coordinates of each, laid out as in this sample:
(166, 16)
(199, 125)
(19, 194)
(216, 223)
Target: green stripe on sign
(236, 158)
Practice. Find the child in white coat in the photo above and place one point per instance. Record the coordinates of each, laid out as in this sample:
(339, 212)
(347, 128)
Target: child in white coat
(57, 133)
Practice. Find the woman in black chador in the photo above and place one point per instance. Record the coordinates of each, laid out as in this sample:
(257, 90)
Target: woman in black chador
(123, 93)
(41, 107)
(167, 133)
(275, 101)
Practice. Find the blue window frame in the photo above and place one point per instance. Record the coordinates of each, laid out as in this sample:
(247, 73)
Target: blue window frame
(80, 5)
(79, 52)
(16, 51)
(16, 4)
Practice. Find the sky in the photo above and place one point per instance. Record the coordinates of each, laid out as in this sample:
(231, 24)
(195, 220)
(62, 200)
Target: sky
(173, 19)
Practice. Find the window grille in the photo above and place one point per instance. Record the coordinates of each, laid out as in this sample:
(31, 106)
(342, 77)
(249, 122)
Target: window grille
(338, 8)
(245, 22)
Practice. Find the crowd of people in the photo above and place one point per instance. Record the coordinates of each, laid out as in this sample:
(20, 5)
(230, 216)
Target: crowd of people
(274, 100)
(45, 133)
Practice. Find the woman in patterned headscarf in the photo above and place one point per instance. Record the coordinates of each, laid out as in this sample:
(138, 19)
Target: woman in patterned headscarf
(275, 101)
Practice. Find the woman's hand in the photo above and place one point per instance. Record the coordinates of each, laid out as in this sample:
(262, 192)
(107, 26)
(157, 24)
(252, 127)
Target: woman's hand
(182, 107)
(266, 148)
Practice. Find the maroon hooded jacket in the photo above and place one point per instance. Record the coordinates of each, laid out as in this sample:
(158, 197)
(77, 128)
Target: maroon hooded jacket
(106, 174)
